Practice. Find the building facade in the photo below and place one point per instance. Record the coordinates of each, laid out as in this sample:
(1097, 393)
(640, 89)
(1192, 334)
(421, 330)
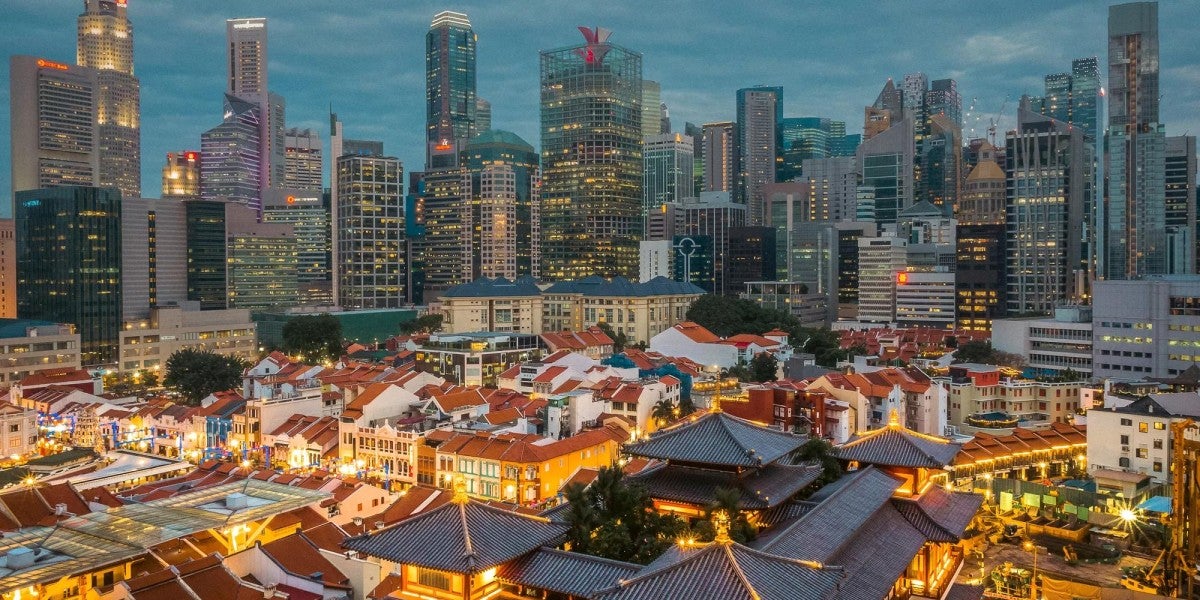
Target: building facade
(667, 170)
(1146, 328)
(371, 260)
(720, 156)
(105, 43)
(450, 100)
(181, 175)
(69, 264)
(759, 116)
(591, 183)
(147, 343)
(33, 346)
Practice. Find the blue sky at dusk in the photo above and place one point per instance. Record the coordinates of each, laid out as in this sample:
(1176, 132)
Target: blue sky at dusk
(366, 58)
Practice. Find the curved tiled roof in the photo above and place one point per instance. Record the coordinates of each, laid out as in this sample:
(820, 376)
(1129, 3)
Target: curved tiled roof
(462, 538)
(940, 514)
(764, 488)
(568, 573)
(487, 288)
(718, 438)
(727, 571)
(895, 446)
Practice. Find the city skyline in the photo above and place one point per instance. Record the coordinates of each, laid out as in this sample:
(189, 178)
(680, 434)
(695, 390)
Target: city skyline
(384, 98)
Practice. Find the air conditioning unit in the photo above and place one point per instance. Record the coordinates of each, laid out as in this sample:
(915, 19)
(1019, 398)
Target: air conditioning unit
(1125, 449)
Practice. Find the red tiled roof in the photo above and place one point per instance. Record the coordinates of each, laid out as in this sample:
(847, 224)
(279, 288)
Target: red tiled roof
(696, 332)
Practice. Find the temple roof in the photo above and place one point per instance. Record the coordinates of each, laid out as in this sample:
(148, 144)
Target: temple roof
(463, 537)
(760, 489)
(568, 573)
(895, 446)
(729, 571)
(940, 514)
(718, 439)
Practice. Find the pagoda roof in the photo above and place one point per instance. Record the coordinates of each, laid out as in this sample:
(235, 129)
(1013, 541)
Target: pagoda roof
(760, 489)
(727, 571)
(569, 573)
(940, 514)
(462, 537)
(895, 446)
(718, 438)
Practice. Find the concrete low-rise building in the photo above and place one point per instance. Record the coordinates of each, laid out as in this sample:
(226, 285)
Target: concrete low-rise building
(146, 344)
(1051, 346)
(1136, 438)
(28, 347)
(1146, 328)
(18, 430)
(984, 398)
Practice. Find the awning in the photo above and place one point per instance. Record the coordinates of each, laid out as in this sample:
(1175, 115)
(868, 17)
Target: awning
(1158, 504)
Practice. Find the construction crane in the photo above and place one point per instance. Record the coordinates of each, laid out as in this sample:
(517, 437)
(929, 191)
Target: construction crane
(992, 122)
(1178, 560)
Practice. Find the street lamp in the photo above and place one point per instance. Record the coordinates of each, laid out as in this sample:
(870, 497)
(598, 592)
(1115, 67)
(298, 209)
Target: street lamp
(1029, 546)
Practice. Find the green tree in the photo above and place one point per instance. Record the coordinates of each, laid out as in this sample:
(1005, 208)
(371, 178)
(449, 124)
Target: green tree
(976, 351)
(763, 367)
(817, 450)
(664, 412)
(429, 323)
(316, 338)
(612, 519)
(620, 340)
(196, 373)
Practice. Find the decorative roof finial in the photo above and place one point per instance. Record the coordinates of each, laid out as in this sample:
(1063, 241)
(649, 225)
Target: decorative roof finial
(460, 491)
(720, 521)
(893, 418)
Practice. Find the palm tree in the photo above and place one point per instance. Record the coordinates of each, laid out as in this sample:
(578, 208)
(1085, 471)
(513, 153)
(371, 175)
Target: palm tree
(663, 412)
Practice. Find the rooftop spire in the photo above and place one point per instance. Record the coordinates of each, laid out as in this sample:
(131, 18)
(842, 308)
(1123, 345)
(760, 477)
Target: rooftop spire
(460, 491)
(893, 418)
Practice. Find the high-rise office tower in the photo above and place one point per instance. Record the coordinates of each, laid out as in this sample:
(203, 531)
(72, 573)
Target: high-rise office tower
(230, 155)
(751, 257)
(262, 256)
(787, 206)
(302, 160)
(885, 163)
(667, 173)
(153, 256)
(887, 108)
(591, 125)
(709, 217)
(880, 262)
(8, 269)
(943, 99)
(759, 115)
(181, 175)
(497, 222)
(697, 134)
(498, 148)
(306, 213)
(483, 115)
(913, 87)
(371, 253)
(207, 281)
(801, 138)
(1135, 236)
(652, 108)
(105, 43)
(941, 162)
(1050, 179)
(450, 101)
(1074, 97)
(247, 80)
(720, 156)
(834, 184)
(53, 121)
(981, 248)
(448, 212)
(69, 264)
(1180, 197)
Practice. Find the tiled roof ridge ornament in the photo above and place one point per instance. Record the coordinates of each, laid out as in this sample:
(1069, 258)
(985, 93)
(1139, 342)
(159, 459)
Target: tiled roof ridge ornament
(893, 418)
(720, 521)
(460, 491)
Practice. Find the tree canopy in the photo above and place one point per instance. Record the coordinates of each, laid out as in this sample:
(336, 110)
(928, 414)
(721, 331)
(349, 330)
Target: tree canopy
(821, 452)
(196, 373)
(726, 316)
(763, 367)
(429, 323)
(618, 337)
(613, 519)
(315, 337)
(982, 352)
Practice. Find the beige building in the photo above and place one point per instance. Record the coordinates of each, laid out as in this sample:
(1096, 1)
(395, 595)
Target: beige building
(147, 343)
(27, 347)
(18, 430)
(639, 310)
(985, 398)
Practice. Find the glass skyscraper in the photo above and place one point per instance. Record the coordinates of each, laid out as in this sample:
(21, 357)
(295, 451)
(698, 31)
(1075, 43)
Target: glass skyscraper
(450, 101)
(105, 43)
(69, 264)
(591, 129)
(231, 155)
(1135, 236)
(497, 148)
(759, 117)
